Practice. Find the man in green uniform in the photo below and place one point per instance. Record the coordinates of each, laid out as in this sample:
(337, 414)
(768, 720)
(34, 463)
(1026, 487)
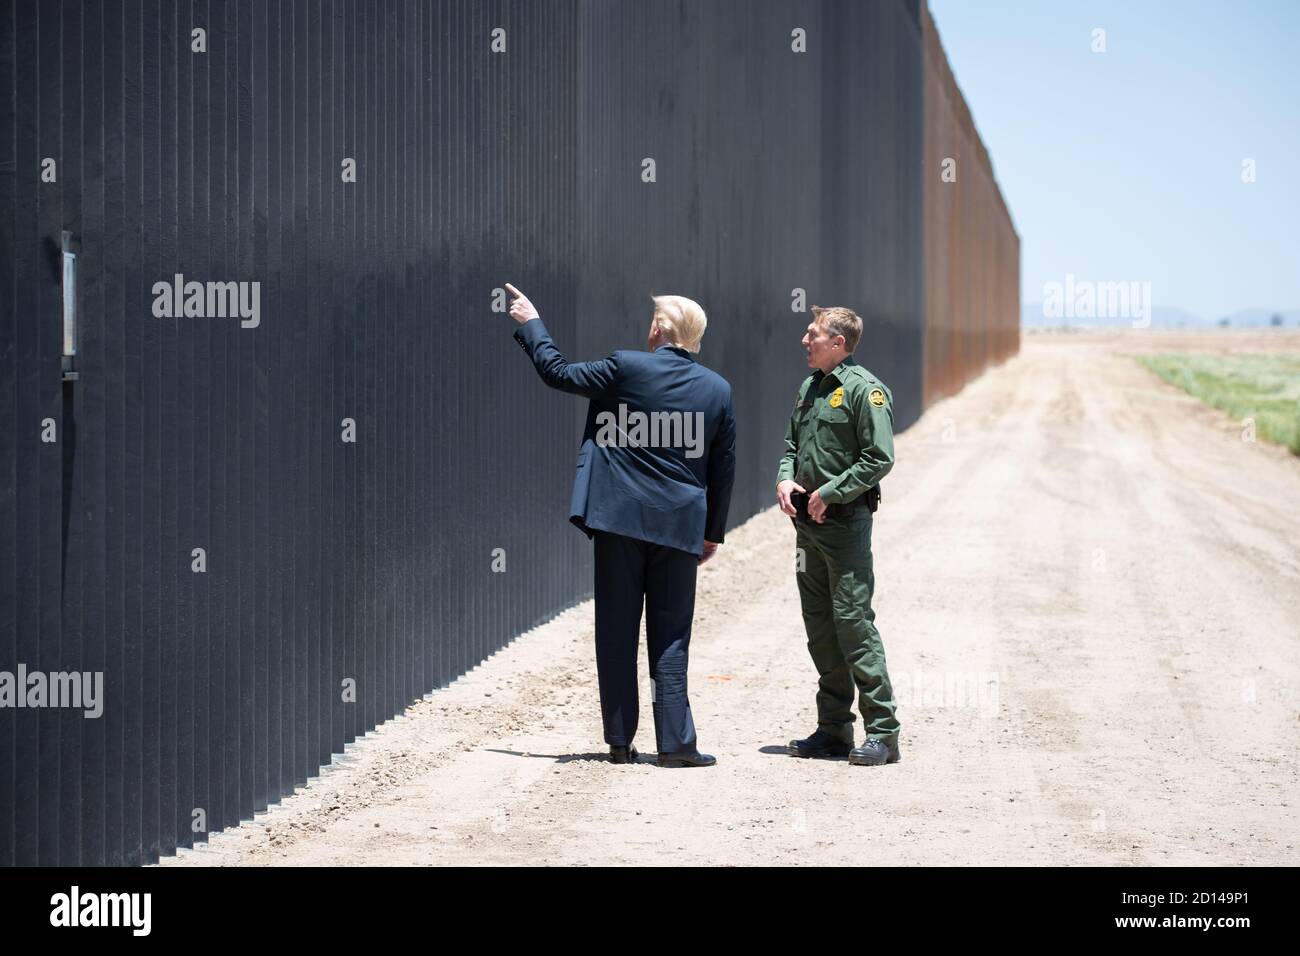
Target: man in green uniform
(839, 444)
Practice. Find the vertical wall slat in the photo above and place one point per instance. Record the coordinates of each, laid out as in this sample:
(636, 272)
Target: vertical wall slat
(46, 508)
(22, 612)
(11, 548)
(159, 27)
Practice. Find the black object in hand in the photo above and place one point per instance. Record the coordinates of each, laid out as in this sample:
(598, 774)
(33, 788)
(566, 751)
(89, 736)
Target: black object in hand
(800, 501)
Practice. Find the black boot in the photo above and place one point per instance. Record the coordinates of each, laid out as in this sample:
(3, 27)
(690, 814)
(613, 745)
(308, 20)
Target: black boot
(874, 753)
(821, 745)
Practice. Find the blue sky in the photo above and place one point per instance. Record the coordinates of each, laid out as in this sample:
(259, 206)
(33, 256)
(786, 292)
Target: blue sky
(1126, 165)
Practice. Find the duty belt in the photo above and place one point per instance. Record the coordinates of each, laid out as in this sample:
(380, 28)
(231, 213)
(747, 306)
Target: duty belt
(870, 499)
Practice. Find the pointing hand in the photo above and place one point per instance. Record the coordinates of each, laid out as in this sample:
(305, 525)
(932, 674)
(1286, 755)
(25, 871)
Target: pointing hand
(521, 310)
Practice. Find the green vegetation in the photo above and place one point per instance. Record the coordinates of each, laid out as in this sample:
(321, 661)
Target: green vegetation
(1265, 387)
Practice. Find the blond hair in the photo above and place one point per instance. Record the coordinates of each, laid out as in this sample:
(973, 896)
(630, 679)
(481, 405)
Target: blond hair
(838, 320)
(681, 319)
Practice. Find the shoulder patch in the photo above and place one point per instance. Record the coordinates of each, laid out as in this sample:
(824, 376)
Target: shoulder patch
(876, 397)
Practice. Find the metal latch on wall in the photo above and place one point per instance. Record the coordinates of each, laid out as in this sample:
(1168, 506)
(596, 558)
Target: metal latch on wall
(69, 308)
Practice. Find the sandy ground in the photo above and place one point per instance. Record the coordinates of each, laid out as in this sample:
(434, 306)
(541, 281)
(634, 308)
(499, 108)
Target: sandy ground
(1089, 590)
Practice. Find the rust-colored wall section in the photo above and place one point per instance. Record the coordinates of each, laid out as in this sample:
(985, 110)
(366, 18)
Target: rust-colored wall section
(972, 250)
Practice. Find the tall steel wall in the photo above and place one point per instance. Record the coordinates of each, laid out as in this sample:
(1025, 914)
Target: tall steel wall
(372, 561)
(972, 251)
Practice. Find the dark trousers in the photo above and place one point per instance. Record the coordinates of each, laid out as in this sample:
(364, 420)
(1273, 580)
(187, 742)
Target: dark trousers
(630, 572)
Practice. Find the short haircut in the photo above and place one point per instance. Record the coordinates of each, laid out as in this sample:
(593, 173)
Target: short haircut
(838, 320)
(681, 319)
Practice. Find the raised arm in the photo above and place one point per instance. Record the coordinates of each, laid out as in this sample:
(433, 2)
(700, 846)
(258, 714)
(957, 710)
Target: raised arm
(591, 379)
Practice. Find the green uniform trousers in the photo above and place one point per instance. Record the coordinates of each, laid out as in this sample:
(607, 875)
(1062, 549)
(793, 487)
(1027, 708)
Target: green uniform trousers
(835, 589)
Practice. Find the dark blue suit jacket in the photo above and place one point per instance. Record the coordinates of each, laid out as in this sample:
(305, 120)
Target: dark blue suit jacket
(659, 494)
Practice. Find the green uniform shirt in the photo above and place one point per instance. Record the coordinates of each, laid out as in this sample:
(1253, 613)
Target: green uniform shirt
(840, 440)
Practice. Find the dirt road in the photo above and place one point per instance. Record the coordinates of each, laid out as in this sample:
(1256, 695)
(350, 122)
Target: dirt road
(1089, 591)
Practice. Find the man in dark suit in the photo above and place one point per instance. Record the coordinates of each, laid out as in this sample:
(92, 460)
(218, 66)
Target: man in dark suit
(654, 483)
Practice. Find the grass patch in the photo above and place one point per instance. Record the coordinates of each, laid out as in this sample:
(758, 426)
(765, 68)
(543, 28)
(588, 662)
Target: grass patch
(1265, 387)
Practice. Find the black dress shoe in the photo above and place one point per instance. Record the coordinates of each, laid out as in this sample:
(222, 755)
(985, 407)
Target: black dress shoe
(821, 745)
(626, 754)
(695, 759)
(874, 753)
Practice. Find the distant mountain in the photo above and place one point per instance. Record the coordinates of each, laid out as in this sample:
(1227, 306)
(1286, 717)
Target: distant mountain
(1162, 317)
